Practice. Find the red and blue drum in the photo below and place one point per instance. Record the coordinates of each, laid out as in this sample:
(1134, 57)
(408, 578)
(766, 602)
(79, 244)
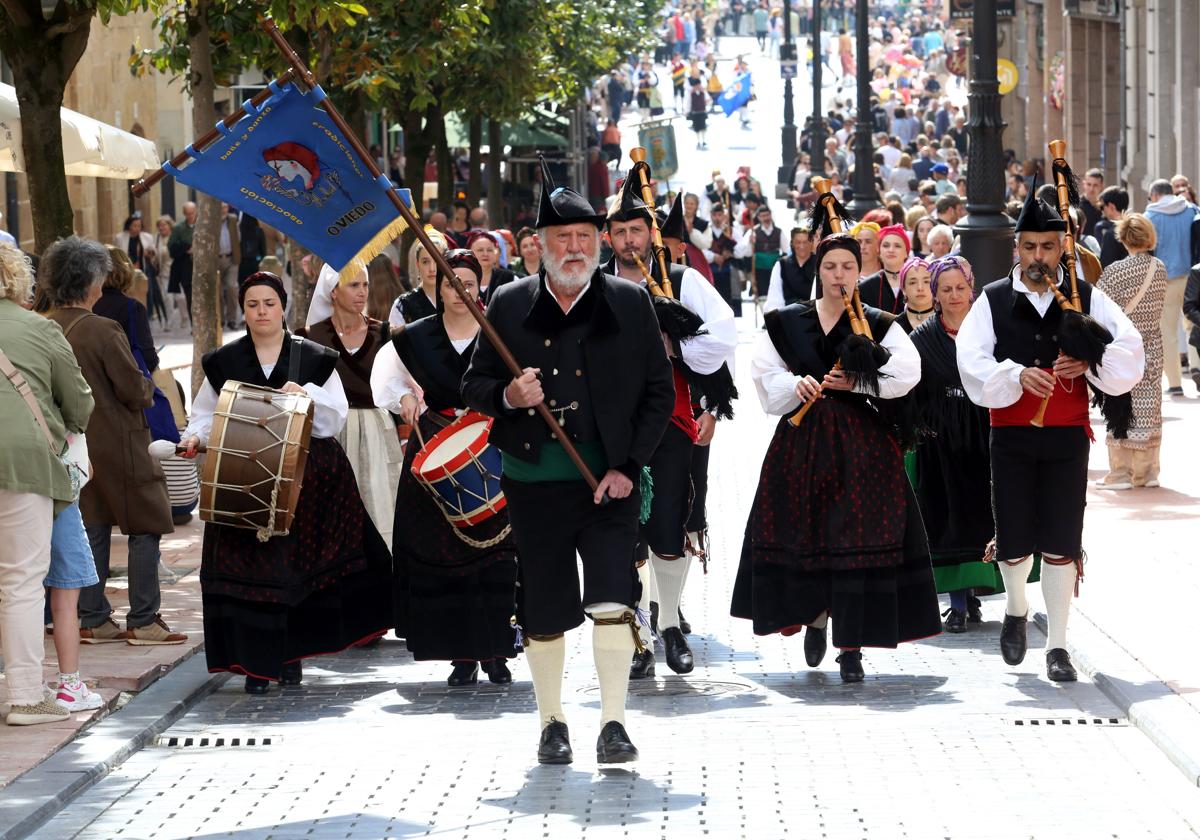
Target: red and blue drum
(461, 470)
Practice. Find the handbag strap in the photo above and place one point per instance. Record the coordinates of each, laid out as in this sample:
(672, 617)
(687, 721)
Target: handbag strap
(19, 382)
(1141, 293)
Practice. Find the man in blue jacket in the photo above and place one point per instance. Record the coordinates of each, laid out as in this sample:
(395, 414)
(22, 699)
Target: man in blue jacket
(1172, 217)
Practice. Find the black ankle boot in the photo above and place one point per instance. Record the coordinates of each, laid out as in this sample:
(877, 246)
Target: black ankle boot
(291, 674)
(497, 671)
(463, 673)
(815, 645)
(643, 665)
(255, 685)
(851, 666)
(1013, 639)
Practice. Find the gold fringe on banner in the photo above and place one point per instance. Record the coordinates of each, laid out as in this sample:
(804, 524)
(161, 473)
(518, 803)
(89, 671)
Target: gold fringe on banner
(358, 263)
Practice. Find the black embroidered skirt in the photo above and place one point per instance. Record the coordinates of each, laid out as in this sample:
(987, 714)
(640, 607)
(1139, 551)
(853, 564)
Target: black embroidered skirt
(320, 589)
(835, 527)
(452, 600)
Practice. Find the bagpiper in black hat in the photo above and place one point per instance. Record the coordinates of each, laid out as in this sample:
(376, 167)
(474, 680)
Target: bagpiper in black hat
(562, 205)
(1039, 217)
(629, 204)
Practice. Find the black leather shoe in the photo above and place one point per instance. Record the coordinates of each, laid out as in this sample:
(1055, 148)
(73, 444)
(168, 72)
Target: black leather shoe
(254, 685)
(815, 646)
(291, 674)
(643, 665)
(956, 620)
(684, 626)
(554, 747)
(1059, 667)
(497, 671)
(974, 610)
(679, 655)
(1012, 639)
(613, 746)
(464, 673)
(851, 666)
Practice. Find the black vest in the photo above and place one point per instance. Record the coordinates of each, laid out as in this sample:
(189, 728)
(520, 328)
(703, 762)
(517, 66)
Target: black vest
(426, 351)
(239, 361)
(415, 305)
(805, 349)
(1021, 334)
(798, 280)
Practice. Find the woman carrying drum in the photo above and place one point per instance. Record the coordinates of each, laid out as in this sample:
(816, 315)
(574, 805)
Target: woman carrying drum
(454, 585)
(834, 529)
(322, 587)
(336, 320)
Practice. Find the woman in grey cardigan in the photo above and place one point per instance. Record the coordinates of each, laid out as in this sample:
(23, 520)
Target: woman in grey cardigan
(33, 481)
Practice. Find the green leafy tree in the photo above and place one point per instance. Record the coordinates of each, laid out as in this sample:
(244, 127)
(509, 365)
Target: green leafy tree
(206, 43)
(43, 48)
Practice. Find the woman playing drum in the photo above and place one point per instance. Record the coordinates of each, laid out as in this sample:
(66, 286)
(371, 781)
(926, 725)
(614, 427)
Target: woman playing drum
(455, 589)
(336, 320)
(322, 587)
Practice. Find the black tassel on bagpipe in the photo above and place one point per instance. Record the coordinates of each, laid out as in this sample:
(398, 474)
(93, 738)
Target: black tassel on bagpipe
(862, 359)
(1082, 337)
(717, 389)
(1117, 411)
(676, 320)
(1071, 181)
(818, 223)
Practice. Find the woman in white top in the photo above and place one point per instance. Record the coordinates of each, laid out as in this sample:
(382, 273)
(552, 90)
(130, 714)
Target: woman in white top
(322, 587)
(454, 587)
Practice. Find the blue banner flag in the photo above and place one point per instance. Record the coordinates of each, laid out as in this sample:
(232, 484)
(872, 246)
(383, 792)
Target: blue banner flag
(288, 165)
(736, 95)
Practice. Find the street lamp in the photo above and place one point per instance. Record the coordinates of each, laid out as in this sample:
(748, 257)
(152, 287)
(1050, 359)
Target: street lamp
(865, 198)
(787, 65)
(986, 233)
(816, 132)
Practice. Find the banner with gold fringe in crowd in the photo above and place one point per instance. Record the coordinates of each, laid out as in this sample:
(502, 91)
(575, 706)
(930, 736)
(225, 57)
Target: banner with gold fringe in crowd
(287, 164)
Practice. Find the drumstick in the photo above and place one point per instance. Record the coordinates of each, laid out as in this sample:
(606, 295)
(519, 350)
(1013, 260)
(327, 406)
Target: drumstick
(164, 449)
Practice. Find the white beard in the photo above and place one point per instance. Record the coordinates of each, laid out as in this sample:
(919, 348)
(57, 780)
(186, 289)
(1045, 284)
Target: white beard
(571, 280)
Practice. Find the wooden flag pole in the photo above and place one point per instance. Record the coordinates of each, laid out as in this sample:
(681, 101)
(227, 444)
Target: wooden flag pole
(305, 75)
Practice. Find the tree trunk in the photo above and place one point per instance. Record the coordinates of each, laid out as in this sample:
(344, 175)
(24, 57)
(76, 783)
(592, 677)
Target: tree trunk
(495, 203)
(475, 139)
(206, 290)
(42, 54)
(445, 163)
(417, 143)
(302, 285)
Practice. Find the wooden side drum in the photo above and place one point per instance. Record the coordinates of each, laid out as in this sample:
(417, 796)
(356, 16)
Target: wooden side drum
(255, 464)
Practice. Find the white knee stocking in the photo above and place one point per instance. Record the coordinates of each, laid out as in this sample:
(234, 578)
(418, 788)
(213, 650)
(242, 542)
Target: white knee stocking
(546, 669)
(670, 575)
(613, 647)
(1015, 576)
(1058, 586)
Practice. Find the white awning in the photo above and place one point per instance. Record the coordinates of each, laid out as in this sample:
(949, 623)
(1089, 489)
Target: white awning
(90, 148)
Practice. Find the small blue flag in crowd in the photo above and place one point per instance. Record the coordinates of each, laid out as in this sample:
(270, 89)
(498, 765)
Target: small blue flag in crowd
(736, 95)
(288, 165)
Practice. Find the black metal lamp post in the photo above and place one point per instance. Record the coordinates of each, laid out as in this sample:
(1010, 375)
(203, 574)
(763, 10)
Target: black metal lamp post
(788, 135)
(865, 198)
(986, 233)
(816, 136)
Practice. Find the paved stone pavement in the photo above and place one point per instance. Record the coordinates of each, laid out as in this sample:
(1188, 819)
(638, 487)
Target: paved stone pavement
(942, 740)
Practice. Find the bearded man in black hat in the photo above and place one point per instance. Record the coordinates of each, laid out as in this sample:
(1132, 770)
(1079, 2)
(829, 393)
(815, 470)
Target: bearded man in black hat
(701, 357)
(595, 357)
(1015, 349)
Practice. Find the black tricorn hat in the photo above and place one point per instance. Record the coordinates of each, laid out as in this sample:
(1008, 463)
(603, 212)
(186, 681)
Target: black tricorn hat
(563, 206)
(629, 204)
(1039, 217)
(671, 224)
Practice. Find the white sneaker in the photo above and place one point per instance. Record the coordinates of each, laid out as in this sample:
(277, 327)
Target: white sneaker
(77, 697)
